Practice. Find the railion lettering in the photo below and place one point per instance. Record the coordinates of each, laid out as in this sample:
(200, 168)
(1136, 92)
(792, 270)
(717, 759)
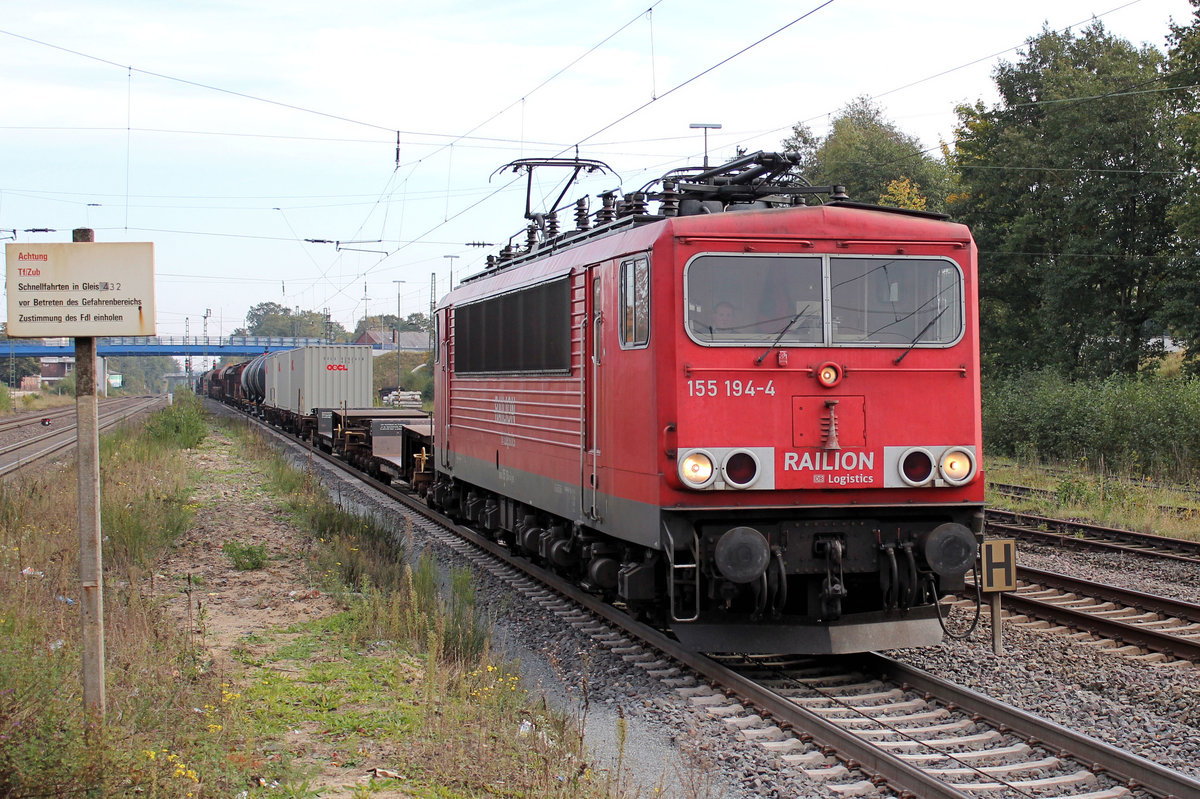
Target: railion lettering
(828, 461)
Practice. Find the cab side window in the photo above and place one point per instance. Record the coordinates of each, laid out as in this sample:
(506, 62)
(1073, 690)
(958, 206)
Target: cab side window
(635, 303)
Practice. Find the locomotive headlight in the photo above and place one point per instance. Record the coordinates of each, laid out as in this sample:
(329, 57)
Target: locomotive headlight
(696, 469)
(740, 469)
(957, 466)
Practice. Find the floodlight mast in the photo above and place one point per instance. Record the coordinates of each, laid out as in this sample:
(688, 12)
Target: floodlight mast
(706, 127)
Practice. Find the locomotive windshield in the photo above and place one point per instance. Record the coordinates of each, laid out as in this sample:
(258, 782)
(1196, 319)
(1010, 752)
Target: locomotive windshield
(863, 301)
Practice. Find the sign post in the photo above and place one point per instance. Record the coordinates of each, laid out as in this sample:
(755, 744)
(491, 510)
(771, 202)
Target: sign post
(84, 289)
(91, 566)
(999, 558)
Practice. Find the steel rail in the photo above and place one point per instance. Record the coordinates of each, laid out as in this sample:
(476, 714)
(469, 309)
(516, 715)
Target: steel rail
(1119, 631)
(35, 417)
(20, 420)
(1111, 593)
(1133, 770)
(62, 440)
(1063, 533)
(1021, 492)
(1124, 632)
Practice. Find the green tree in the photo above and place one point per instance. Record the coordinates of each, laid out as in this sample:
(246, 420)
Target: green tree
(13, 369)
(267, 316)
(142, 374)
(867, 153)
(903, 193)
(1183, 77)
(414, 322)
(273, 319)
(1067, 183)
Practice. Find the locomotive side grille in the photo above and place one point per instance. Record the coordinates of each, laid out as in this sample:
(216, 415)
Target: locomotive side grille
(533, 396)
(547, 414)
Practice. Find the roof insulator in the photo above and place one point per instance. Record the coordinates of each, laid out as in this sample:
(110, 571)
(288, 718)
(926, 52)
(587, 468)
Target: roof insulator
(670, 199)
(608, 208)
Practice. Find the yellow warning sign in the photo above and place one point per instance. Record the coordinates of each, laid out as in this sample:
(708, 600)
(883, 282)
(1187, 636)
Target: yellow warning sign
(999, 564)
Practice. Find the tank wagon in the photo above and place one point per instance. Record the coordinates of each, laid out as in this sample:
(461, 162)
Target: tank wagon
(749, 419)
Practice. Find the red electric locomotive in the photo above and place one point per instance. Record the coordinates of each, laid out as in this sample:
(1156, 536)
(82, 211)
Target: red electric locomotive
(751, 420)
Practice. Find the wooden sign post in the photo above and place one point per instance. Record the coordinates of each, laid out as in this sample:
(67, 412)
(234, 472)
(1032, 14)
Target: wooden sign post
(84, 290)
(91, 567)
(999, 558)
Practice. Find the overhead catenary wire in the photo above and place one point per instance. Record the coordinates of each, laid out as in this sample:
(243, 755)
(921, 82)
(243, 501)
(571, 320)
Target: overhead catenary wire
(398, 185)
(631, 113)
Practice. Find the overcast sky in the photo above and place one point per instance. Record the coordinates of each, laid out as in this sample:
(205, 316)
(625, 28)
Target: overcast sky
(228, 133)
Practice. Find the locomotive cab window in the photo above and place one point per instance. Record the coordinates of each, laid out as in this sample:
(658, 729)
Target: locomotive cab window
(896, 302)
(754, 299)
(635, 303)
(823, 300)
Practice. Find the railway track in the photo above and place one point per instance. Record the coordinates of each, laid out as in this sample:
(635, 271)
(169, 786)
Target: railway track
(1046, 494)
(34, 419)
(1068, 473)
(868, 725)
(61, 433)
(1148, 627)
(1080, 535)
(961, 742)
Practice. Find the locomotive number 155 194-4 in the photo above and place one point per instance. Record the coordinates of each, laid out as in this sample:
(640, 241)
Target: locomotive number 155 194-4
(730, 388)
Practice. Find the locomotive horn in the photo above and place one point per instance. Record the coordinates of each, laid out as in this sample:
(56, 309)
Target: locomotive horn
(742, 555)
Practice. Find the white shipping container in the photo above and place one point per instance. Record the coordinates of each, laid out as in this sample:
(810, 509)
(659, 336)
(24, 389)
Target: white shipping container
(277, 375)
(328, 376)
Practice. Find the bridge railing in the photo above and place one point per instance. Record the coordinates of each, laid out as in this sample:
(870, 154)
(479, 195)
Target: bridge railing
(157, 345)
(216, 341)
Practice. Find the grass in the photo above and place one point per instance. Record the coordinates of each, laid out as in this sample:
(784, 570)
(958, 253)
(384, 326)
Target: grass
(12, 403)
(1079, 493)
(404, 675)
(245, 557)
(155, 675)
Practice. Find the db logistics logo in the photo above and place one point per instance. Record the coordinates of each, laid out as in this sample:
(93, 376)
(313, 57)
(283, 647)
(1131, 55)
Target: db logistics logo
(336, 367)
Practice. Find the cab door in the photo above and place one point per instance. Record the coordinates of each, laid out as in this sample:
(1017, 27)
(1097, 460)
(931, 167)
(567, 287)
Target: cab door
(593, 399)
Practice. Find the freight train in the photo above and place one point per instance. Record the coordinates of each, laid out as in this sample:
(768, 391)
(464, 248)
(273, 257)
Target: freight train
(323, 394)
(747, 416)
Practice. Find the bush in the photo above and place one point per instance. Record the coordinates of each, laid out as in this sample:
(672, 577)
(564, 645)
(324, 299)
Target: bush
(66, 385)
(181, 424)
(1139, 426)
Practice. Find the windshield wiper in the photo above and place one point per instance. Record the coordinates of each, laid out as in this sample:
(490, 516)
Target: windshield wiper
(783, 332)
(913, 343)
